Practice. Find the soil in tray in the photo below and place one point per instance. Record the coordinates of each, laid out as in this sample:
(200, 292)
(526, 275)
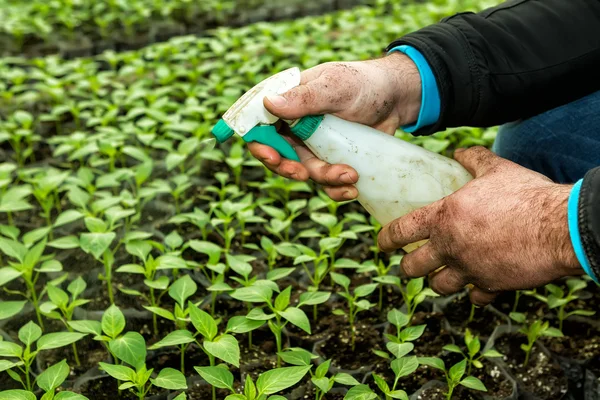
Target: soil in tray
(107, 388)
(581, 342)
(434, 338)
(90, 352)
(439, 393)
(527, 304)
(543, 377)
(338, 346)
(484, 320)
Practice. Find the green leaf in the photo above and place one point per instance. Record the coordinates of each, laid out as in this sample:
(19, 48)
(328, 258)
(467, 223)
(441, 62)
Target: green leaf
(96, 243)
(517, 317)
(552, 332)
(53, 376)
(492, 353)
(412, 333)
(345, 379)
(452, 348)
(249, 388)
(182, 289)
(297, 317)
(29, 333)
(13, 249)
(323, 369)
(279, 273)
(58, 339)
(10, 349)
(181, 396)
(360, 392)
(131, 348)
(241, 324)
(218, 377)
(174, 338)
(381, 383)
(65, 242)
(67, 217)
(296, 357)
(473, 383)
(17, 394)
(203, 322)
(9, 309)
(169, 378)
(397, 318)
(87, 326)
(65, 395)
(276, 380)
(398, 394)
(119, 372)
(166, 314)
(239, 266)
(313, 298)
(322, 383)
(399, 349)
(50, 266)
(575, 285)
(433, 362)
(131, 269)
(6, 365)
(283, 299)
(457, 371)
(405, 366)
(7, 274)
(253, 294)
(58, 296)
(77, 286)
(414, 287)
(113, 322)
(226, 348)
(365, 290)
(341, 280)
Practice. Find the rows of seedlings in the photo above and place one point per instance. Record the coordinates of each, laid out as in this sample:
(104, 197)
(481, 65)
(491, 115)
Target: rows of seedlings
(88, 27)
(138, 261)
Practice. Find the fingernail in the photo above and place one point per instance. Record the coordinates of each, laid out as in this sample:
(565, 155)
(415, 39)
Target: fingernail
(277, 101)
(349, 194)
(345, 177)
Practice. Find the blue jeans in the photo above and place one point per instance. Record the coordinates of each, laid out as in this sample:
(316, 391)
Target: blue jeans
(563, 143)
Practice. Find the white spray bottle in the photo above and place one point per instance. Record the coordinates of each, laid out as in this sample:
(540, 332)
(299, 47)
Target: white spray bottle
(395, 177)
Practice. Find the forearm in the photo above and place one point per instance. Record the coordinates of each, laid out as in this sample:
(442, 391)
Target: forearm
(512, 61)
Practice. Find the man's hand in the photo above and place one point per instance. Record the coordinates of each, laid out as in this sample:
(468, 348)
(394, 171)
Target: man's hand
(507, 229)
(383, 93)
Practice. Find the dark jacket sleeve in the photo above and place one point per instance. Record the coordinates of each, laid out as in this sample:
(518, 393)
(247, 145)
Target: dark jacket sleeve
(512, 61)
(515, 61)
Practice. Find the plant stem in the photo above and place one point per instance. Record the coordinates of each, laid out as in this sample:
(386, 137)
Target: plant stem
(449, 394)
(108, 277)
(213, 300)
(380, 298)
(472, 315)
(28, 380)
(153, 303)
(561, 317)
(526, 358)
(183, 359)
(517, 297)
(315, 313)
(211, 360)
(34, 300)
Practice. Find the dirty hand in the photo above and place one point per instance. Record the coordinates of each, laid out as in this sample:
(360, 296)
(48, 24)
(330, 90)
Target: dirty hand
(383, 93)
(507, 229)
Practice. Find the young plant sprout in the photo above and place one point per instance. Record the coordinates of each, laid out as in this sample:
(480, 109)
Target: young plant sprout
(141, 250)
(455, 375)
(355, 301)
(282, 219)
(25, 354)
(413, 294)
(27, 262)
(267, 385)
(60, 307)
(382, 270)
(280, 310)
(473, 346)
(533, 331)
(558, 299)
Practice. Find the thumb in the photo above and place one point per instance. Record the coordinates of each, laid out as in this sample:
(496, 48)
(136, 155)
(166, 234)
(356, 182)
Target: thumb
(306, 99)
(477, 160)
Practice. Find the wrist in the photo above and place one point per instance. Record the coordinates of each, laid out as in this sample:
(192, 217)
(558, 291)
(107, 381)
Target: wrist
(407, 84)
(555, 222)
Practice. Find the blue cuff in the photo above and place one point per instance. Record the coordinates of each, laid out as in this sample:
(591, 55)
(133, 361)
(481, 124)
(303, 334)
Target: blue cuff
(430, 95)
(573, 217)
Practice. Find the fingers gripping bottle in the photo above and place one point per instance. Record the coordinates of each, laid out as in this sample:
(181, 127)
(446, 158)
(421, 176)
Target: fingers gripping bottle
(395, 177)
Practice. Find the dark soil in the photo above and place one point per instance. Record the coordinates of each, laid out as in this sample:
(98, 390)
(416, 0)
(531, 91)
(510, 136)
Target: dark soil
(435, 337)
(106, 388)
(543, 377)
(581, 342)
(484, 320)
(439, 393)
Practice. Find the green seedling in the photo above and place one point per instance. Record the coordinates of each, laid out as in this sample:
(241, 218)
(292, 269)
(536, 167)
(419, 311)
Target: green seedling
(18, 130)
(355, 301)
(27, 262)
(558, 299)
(272, 251)
(281, 219)
(29, 335)
(455, 375)
(400, 344)
(61, 307)
(413, 294)
(472, 355)
(138, 378)
(198, 218)
(381, 269)
(533, 331)
(267, 385)
(225, 190)
(280, 188)
(14, 199)
(46, 186)
(157, 285)
(280, 311)
(213, 269)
